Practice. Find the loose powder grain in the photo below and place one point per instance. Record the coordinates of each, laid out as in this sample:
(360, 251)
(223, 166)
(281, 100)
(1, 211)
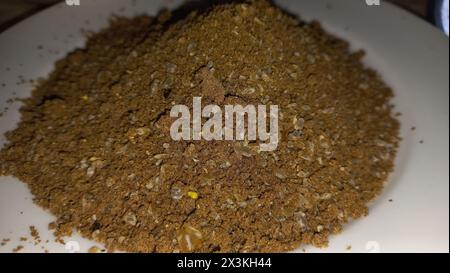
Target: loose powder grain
(94, 145)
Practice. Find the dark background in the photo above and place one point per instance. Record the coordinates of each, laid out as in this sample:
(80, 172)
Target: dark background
(12, 11)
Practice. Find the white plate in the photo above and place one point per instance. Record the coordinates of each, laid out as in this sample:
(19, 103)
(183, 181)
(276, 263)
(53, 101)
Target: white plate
(411, 55)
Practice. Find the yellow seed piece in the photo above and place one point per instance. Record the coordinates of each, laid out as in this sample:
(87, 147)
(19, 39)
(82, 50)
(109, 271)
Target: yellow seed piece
(193, 195)
(85, 97)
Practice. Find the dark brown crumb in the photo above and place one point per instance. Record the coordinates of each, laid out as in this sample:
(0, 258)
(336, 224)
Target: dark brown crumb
(52, 226)
(5, 241)
(34, 232)
(17, 248)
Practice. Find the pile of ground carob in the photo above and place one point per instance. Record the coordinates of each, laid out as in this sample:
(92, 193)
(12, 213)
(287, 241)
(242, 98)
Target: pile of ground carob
(95, 149)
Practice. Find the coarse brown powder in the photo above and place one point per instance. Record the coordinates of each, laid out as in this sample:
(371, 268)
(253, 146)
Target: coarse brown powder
(94, 146)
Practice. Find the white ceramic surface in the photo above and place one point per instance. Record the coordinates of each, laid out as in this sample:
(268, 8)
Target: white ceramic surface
(411, 55)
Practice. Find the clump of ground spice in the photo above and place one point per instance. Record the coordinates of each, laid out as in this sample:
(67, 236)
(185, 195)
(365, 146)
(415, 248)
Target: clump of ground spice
(94, 146)
(35, 235)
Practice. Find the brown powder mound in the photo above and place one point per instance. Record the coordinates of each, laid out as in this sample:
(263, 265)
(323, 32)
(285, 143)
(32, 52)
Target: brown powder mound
(94, 148)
